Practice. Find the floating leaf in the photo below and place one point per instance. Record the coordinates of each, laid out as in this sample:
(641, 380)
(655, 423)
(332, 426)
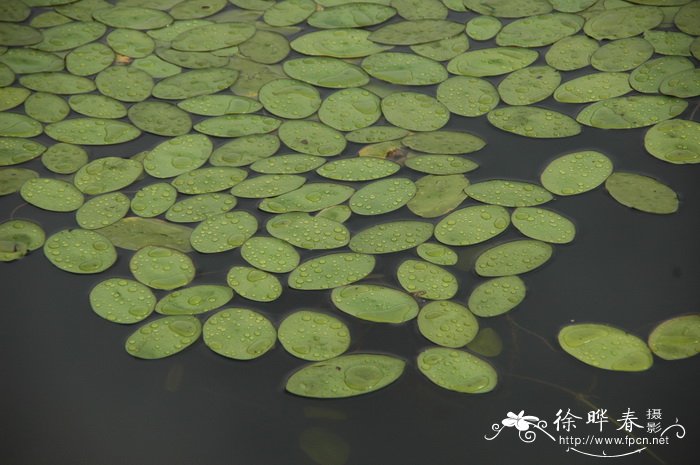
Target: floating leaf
(382, 196)
(437, 254)
(16, 125)
(685, 84)
(46, 108)
(512, 258)
(312, 138)
(540, 30)
(593, 87)
(70, 35)
(308, 232)
(570, 53)
(134, 233)
(326, 72)
(213, 36)
(308, 198)
(529, 85)
(468, 96)
(543, 225)
(121, 300)
(375, 303)
(487, 343)
(491, 61)
(509, 8)
(245, 150)
(375, 134)
(266, 186)
(631, 112)
(161, 267)
(648, 77)
(605, 347)
(178, 155)
(350, 109)
(102, 210)
(472, 225)
(332, 270)
(444, 142)
(51, 194)
(447, 324)
(358, 169)
(80, 251)
(290, 98)
(420, 9)
(677, 338)
(194, 83)
(194, 9)
(674, 141)
(239, 333)
(289, 12)
(164, 337)
(391, 237)
(125, 84)
(642, 193)
(200, 207)
(132, 17)
(194, 300)
(237, 125)
(622, 54)
(287, 164)
(508, 193)
(339, 213)
(97, 106)
(224, 231)
(345, 376)
(426, 280)
(219, 105)
(404, 68)
(534, 122)
(153, 200)
(207, 180)
(313, 336)
(270, 254)
(669, 42)
(130, 43)
(106, 175)
(619, 23)
(457, 370)
(337, 43)
(12, 179)
(437, 195)
(415, 32)
(160, 118)
(686, 19)
(254, 284)
(64, 158)
(414, 111)
(19, 237)
(18, 35)
(89, 59)
(91, 131)
(576, 173)
(442, 50)
(11, 97)
(483, 27)
(30, 61)
(497, 296)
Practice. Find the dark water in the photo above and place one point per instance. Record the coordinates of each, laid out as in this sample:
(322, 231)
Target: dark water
(70, 395)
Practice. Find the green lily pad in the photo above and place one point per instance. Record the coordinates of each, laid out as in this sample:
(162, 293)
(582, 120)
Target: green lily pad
(620, 23)
(130, 43)
(194, 83)
(337, 43)
(312, 138)
(191, 60)
(534, 122)
(345, 376)
(313, 336)
(46, 19)
(156, 67)
(491, 61)
(631, 112)
(438, 195)
(426, 280)
(219, 105)
(308, 198)
(153, 200)
(132, 17)
(122, 301)
(350, 109)
(200, 207)
(414, 111)
(642, 193)
(178, 155)
(64, 158)
(162, 268)
(16, 125)
(326, 72)
(687, 19)
(125, 84)
(194, 300)
(415, 32)
(674, 141)
(404, 68)
(267, 186)
(80, 251)
(669, 42)
(390, 150)
(290, 98)
(160, 118)
(134, 233)
(252, 76)
(107, 174)
(442, 50)
(358, 169)
(330, 271)
(512, 258)
(213, 36)
(468, 96)
(472, 225)
(540, 30)
(375, 303)
(81, 10)
(91, 131)
(685, 84)
(497, 296)
(509, 8)
(437, 254)
(30, 61)
(11, 97)
(102, 210)
(529, 85)
(18, 35)
(447, 324)
(391, 237)
(237, 125)
(265, 47)
(441, 164)
(420, 9)
(14, 151)
(97, 106)
(576, 173)
(508, 193)
(593, 87)
(382, 196)
(543, 225)
(12, 179)
(483, 27)
(223, 232)
(51, 194)
(457, 370)
(254, 284)
(70, 35)
(308, 232)
(289, 12)
(648, 77)
(89, 59)
(270, 254)
(444, 142)
(245, 150)
(574, 6)
(622, 54)
(677, 338)
(239, 333)
(195, 9)
(339, 213)
(605, 347)
(571, 53)
(14, 11)
(164, 337)
(18, 238)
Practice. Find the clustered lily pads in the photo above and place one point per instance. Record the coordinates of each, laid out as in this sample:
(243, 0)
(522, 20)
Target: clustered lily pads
(322, 113)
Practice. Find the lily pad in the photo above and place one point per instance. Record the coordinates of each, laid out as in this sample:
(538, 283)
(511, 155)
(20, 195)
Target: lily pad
(125, 84)
(375, 303)
(648, 77)
(97, 106)
(11, 97)
(164, 337)
(51, 194)
(457, 370)
(308, 232)
(426, 280)
(442, 50)
(441, 164)
(674, 141)
(162, 268)
(339, 213)
(194, 300)
(213, 36)
(382, 196)
(447, 324)
(178, 155)
(330, 271)
(91, 131)
(437, 254)
(472, 225)
(326, 72)
(270, 254)
(219, 105)
(391, 237)
(254, 284)
(631, 112)
(200, 207)
(468, 96)
(46, 108)
(18, 35)
(529, 85)
(622, 54)
(308, 198)
(18, 238)
(642, 193)
(153, 200)
(89, 59)
(237, 125)
(605, 347)
(80, 251)
(534, 122)
(669, 42)
(290, 98)
(444, 142)
(12, 179)
(483, 27)
(287, 164)
(358, 169)
(487, 343)
(677, 338)
(620, 23)
(132, 17)
(543, 225)
(312, 138)
(514, 257)
(29, 61)
(102, 210)
(121, 300)
(576, 173)
(70, 35)
(685, 84)
(350, 109)
(266, 186)
(194, 83)
(497, 296)
(337, 43)
(106, 175)
(134, 233)
(508, 193)
(420, 9)
(239, 333)
(289, 12)
(160, 118)
(687, 19)
(438, 195)
(509, 8)
(223, 232)
(570, 53)
(414, 111)
(491, 61)
(419, 31)
(130, 43)
(404, 68)
(17, 125)
(345, 376)
(195, 9)
(593, 87)
(313, 336)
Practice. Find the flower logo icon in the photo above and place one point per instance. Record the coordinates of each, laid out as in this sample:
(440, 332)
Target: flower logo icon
(520, 421)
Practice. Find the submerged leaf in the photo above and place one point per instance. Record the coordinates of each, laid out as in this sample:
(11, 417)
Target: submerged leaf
(134, 233)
